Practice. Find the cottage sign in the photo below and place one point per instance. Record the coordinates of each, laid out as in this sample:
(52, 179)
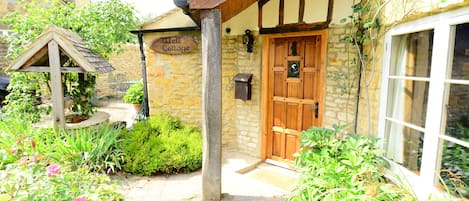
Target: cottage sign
(174, 45)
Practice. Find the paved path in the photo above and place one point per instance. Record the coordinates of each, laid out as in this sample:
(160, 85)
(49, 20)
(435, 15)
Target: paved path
(235, 186)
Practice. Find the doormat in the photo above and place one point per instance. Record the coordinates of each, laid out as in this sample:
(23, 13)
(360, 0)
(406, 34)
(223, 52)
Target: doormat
(275, 176)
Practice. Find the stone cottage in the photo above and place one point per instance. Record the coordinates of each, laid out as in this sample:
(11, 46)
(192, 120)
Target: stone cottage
(286, 67)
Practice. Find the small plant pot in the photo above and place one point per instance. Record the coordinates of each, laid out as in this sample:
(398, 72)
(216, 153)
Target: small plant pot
(137, 107)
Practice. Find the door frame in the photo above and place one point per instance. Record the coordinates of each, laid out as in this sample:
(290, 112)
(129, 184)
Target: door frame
(267, 53)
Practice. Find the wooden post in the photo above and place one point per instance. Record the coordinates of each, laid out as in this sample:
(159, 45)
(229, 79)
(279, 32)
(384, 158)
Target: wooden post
(56, 84)
(211, 104)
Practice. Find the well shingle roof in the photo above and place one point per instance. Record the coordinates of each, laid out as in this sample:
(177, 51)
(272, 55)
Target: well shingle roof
(70, 43)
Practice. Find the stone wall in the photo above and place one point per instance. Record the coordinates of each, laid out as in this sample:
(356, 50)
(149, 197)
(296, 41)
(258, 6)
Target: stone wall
(341, 86)
(241, 119)
(127, 71)
(340, 76)
(174, 81)
(175, 87)
(7, 6)
(3, 53)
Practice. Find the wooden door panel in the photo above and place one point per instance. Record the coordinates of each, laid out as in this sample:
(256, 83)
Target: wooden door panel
(295, 47)
(278, 83)
(279, 114)
(295, 73)
(277, 144)
(292, 116)
(313, 50)
(280, 52)
(291, 146)
(310, 85)
(293, 89)
(308, 116)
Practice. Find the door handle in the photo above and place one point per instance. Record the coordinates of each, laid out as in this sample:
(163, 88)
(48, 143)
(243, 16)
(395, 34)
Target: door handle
(316, 110)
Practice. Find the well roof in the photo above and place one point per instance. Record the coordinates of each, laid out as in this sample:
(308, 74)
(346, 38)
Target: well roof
(71, 46)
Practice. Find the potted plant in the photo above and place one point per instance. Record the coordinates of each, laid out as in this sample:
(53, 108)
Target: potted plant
(134, 95)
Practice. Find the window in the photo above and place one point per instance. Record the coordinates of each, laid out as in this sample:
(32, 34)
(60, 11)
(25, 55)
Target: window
(424, 116)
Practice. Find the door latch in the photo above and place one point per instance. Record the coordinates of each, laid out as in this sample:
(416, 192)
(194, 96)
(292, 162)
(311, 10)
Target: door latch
(316, 110)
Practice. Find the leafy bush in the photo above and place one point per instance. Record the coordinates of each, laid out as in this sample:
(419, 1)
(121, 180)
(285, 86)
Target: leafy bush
(16, 141)
(134, 94)
(162, 145)
(32, 182)
(95, 148)
(25, 152)
(342, 169)
(24, 98)
(104, 27)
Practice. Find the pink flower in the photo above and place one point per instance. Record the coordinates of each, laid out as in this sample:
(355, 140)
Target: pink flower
(53, 169)
(14, 151)
(80, 199)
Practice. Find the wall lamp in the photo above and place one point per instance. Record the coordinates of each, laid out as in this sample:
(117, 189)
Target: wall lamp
(248, 40)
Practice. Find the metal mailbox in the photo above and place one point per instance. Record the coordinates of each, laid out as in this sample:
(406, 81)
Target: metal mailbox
(243, 86)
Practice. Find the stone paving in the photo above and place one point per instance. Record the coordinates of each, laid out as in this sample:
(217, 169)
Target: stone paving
(240, 182)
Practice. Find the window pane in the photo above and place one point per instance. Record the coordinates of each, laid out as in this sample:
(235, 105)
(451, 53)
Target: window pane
(454, 171)
(404, 146)
(294, 69)
(457, 112)
(460, 70)
(411, 54)
(407, 101)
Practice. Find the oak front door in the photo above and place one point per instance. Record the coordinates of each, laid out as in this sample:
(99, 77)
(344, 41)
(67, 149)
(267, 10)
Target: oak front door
(295, 90)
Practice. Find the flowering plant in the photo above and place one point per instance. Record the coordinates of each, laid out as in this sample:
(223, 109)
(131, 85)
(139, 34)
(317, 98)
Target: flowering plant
(80, 199)
(33, 182)
(53, 169)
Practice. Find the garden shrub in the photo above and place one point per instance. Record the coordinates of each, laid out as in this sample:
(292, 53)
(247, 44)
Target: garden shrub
(348, 168)
(162, 145)
(26, 151)
(16, 141)
(96, 149)
(34, 182)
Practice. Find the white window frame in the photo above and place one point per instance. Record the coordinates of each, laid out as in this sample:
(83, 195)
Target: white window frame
(444, 31)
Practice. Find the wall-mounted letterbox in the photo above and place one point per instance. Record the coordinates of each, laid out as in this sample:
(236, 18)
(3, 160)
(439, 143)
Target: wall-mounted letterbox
(243, 86)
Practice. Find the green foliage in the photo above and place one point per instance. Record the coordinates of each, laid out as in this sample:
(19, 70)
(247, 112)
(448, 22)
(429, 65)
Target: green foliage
(134, 94)
(25, 152)
(23, 101)
(94, 148)
(32, 183)
(16, 142)
(454, 171)
(162, 145)
(104, 27)
(81, 91)
(342, 169)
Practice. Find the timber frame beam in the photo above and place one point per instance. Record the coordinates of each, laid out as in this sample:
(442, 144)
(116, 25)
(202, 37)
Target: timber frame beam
(293, 27)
